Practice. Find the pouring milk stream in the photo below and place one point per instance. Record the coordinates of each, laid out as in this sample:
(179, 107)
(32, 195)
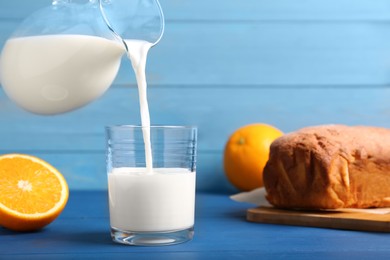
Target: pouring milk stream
(137, 52)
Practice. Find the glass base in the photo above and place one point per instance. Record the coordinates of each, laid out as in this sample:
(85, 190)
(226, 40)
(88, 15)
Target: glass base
(152, 238)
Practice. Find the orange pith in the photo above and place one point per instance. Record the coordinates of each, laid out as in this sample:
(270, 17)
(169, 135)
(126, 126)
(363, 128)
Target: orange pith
(32, 192)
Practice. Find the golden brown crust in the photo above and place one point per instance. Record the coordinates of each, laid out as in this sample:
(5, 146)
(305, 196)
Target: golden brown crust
(328, 167)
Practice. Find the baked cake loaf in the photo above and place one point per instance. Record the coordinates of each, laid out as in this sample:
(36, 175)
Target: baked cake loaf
(329, 167)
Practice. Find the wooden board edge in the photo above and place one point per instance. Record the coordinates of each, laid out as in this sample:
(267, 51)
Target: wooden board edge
(332, 220)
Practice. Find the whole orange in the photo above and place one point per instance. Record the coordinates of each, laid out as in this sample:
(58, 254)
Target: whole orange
(246, 153)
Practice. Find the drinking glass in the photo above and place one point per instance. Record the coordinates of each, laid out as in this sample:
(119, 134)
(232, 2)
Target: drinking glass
(151, 204)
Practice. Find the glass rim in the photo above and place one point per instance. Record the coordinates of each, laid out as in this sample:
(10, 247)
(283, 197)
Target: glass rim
(151, 127)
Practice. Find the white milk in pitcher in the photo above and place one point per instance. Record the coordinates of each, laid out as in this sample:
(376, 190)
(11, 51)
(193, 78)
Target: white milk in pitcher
(162, 201)
(52, 74)
(149, 199)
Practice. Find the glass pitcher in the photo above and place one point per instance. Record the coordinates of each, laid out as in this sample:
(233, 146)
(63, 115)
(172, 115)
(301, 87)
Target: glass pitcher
(66, 55)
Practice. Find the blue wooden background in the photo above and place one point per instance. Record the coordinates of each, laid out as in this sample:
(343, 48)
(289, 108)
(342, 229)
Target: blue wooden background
(220, 65)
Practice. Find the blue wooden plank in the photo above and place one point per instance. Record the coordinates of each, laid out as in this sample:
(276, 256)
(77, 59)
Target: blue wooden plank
(290, 54)
(243, 10)
(271, 53)
(277, 10)
(217, 112)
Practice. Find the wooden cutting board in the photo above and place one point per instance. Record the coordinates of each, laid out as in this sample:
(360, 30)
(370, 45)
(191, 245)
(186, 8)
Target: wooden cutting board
(323, 219)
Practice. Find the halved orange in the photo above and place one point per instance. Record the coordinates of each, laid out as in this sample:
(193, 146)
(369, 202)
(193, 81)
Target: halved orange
(32, 192)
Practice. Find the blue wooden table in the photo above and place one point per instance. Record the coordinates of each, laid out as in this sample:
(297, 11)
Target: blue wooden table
(221, 232)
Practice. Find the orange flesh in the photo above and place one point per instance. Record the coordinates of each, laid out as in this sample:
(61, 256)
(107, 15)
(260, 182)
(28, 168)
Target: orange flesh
(28, 187)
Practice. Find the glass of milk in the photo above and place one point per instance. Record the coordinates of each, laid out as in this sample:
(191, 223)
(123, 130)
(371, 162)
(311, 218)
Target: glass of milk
(151, 200)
